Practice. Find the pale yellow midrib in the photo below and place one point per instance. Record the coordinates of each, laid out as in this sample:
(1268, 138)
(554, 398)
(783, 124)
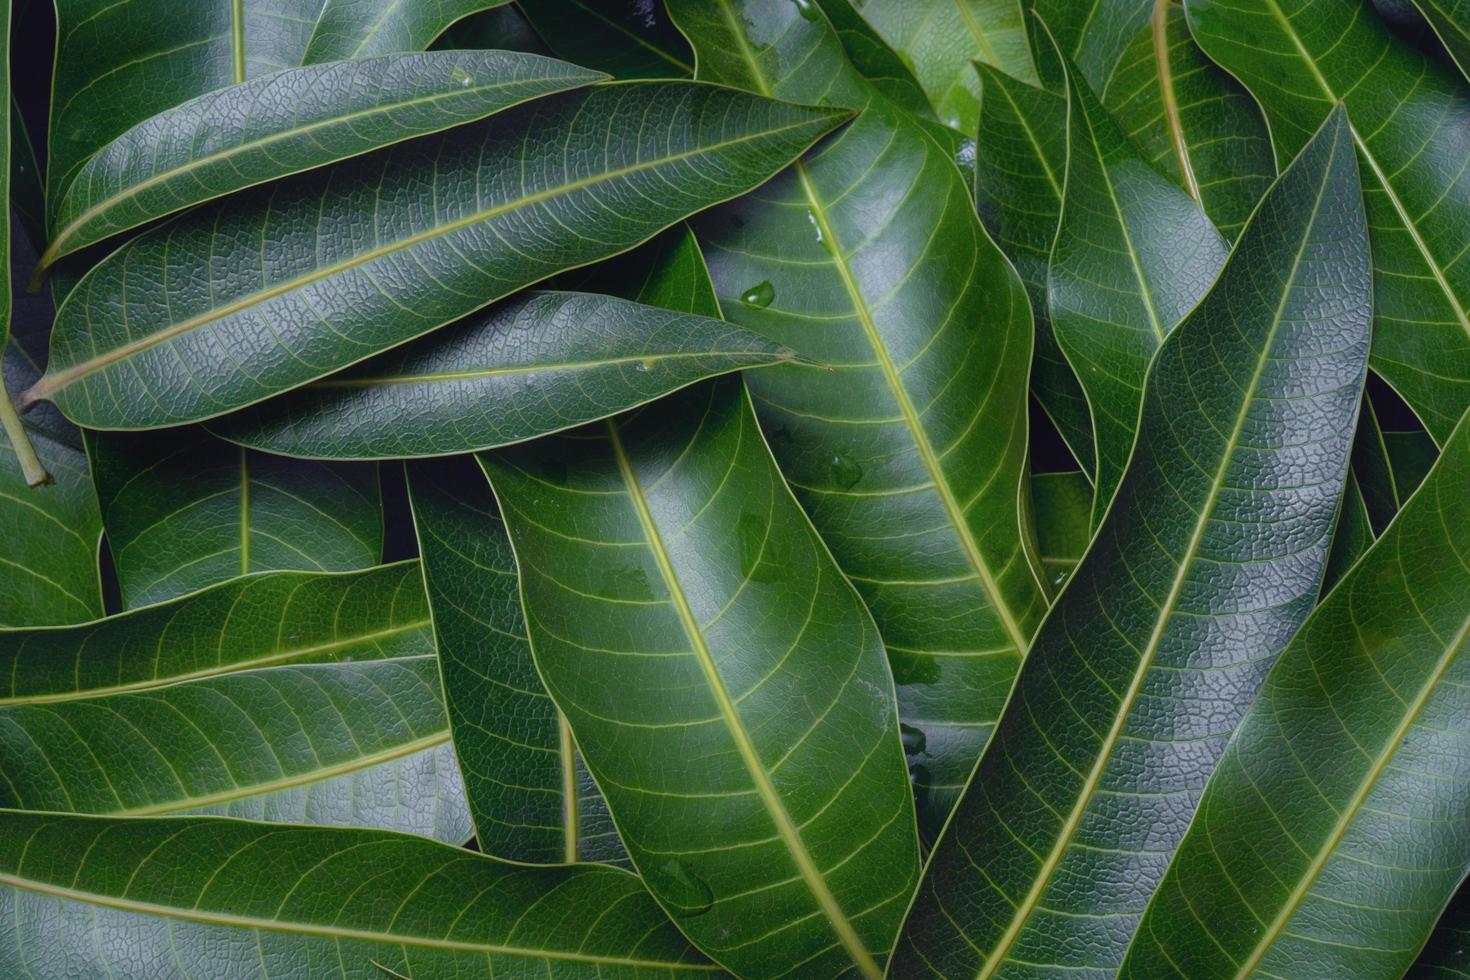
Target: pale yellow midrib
(1159, 27)
(156, 683)
(50, 384)
(981, 40)
(474, 374)
(1349, 813)
(237, 40)
(1028, 904)
(790, 836)
(570, 818)
(329, 932)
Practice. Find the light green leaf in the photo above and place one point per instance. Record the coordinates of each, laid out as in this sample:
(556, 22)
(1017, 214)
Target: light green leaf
(625, 38)
(354, 29)
(681, 607)
(228, 899)
(135, 348)
(1357, 744)
(1062, 503)
(1299, 60)
(1209, 559)
(907, 442)
(539, 362)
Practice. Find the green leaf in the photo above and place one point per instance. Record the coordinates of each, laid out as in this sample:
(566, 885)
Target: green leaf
(232, 899)
(184, 510)
(539, 362)
(871, 55)
(288, 122)
(1299, 60)
(529, 793)
(1193, 121)
(941, 39)
(1356, 744)
(908, 449)
(1354, 534)
(354, 29)
(625, 38)
(1388, 465)
(1444, 956)
(1209, 559)
(27, 195)
(1062, 503)
(1093, 35)
(504, 28)
(681, 607)
(134, 347)
(1133, 255)
(1451, 22)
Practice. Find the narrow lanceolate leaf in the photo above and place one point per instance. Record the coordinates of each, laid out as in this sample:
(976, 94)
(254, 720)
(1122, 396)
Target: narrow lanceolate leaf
(1195, 122)
(1298, 60)
(907, 445)
(536, 363)
(184, 510)
(680, 606)
(1093, 35)
(941, 39)
(625, 38)
(354, 29)
(1447, 954)
(1133, 254)
(141, 342)
(97, 896)
(1209, 559)
(287, 122)
(529, 794)
(1338, 823)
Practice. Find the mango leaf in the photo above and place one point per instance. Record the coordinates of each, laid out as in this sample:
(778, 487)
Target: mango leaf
(941, 39)
(287, 122)
(456, 235)
(184, 510)
(668, 272)
(907, 445)
(539, 362)
(1357, 742)
(1063, 505)
(1451, 22)
(1354, 534)
(1209, 559)
(878, 62)
(353, 29)
(625, 38)
(1194, 122)
(27, 195)
(680, 605)
(1133, 255)
(1093, 35)
(228, 899)
(529, 793)
(1444, 956)
(503, 28)
(1300, 59)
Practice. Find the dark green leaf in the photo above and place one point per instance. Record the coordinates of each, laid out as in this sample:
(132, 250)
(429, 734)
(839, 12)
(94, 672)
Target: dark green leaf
(288, 122)
(449, 232)
(1299, 60)
(681, 607)
(364, 28)
(1337, 825)
(907, 443)
(536, 363)
(97, 896)
(1354, 533)
(27, 195)
(1063, 504)
(1210, 557)
(625, 38)
(1447, 954)
(504, 28)
(875, 60)
(529, 795)
(1451, 22)
(1093, 34)
(184, 510)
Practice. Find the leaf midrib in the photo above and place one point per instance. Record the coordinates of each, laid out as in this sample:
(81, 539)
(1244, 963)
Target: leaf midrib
(476, 373)
(1159, 27)
(775, 808)
(1032, 898)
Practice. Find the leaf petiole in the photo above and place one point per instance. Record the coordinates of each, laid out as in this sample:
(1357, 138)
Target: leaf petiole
(30, 463)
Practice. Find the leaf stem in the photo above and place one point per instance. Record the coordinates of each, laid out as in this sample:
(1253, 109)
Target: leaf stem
(30, 463)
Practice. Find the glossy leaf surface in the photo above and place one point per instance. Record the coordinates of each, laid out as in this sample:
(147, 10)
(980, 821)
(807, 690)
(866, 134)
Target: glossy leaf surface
(529, 794)
(680, 606)
(1409, 127)
(451, 232)
(1133, 255)
(536, 363)
(355, 29)
(1093, 34)
(1360, 741)
(625, 38)
(876, 60)
(1210, 557)
(239, 900)
(184, 510)
(288, 122)
(907, 442)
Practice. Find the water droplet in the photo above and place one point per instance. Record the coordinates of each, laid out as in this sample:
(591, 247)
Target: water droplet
(805, 8)
(845, 473)
(914, 740)
(821, 239)
(461, 77)
(685, 892)
(644, 365)
(760, 295)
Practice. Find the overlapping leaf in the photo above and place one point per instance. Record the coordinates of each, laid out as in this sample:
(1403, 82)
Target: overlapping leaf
(1408, 122)
(235, 899)
(1443, 957)
(681, 607)
(536, 363)
(457, 221)
(625, 38)
(1063, 506)
(1093, 34)
(907, 442)
(1337, 825)
(1451, 22)
(363, 28)
(1209, 559)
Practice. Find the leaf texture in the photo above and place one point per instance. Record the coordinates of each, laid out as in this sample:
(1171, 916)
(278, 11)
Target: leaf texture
(625, 38)
(1359, 744)
(357, 29)
(1093, 34)
(456, 221)
(907, 445)
(233, 899)
(1209, 559)
(537, 363)
(680, 606)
